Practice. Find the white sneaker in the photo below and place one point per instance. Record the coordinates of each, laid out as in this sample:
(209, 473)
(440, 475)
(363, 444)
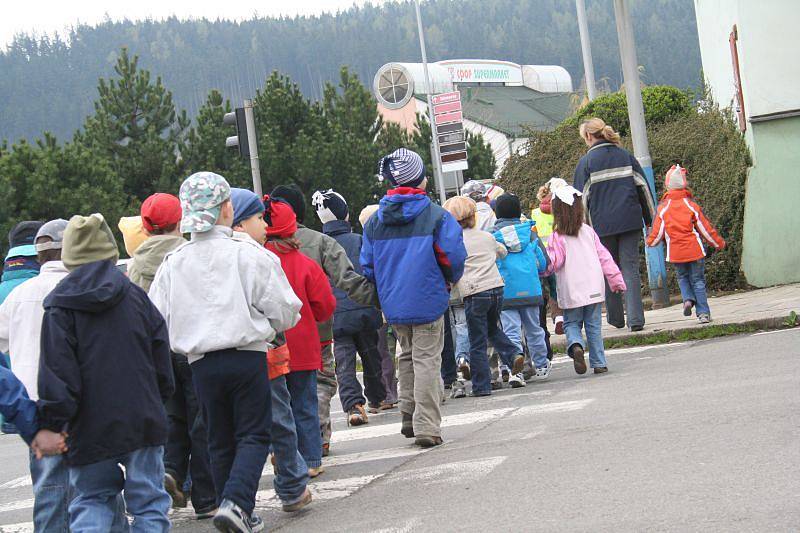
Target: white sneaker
(516, 381)
(457, 390)
(543, 373)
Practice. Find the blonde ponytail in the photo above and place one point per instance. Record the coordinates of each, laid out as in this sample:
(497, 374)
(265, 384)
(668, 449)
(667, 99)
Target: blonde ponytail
(598, 129)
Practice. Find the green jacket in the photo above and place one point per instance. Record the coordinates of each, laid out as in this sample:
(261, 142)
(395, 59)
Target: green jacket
(149, 256)
(330, 255)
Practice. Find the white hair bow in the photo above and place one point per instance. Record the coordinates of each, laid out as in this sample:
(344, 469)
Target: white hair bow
(566, 193)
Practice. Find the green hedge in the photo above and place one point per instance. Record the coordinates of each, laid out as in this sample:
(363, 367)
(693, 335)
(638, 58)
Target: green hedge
(707, 142)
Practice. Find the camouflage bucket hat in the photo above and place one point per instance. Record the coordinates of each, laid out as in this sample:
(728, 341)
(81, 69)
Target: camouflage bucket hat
(202, 195)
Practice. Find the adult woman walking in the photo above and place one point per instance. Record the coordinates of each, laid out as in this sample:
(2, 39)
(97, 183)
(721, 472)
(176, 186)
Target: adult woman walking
(618, 204)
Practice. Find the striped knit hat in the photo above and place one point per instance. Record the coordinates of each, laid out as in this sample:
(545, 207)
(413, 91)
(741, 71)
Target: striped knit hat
(403, 168)
(675, 178)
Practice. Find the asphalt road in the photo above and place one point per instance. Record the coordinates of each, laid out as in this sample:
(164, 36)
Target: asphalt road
(691, 437)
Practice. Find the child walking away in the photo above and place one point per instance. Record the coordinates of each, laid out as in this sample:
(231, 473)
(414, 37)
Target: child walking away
(104, 375)
(291, 471)
(481, 286)
(355, 326)
(224, 300)
(580, 262)
(521, 267)
(681, 223)
(543, 218)
(412, 250)
(309, 283)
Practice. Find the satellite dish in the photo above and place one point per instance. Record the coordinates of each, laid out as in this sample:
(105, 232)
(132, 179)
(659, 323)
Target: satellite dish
(393, 86)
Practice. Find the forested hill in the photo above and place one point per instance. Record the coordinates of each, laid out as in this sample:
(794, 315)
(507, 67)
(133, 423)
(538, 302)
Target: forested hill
(50, 84)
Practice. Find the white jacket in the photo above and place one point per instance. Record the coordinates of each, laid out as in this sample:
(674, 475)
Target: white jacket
(21, 323)
(218, 292)
(486, 217)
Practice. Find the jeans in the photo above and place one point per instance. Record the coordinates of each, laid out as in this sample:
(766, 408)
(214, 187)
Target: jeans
(516, 319)
(483, 322)
(233, 388)
(458, 319)
(387, 345)
(590, 317)
(51, 492)
(97, 488)
(326, 389)
(448, 370)
(186, 451)
(302, 387)
(692, 281)
(344, 350)
(291, 472)
(419, 365)
(624, 248)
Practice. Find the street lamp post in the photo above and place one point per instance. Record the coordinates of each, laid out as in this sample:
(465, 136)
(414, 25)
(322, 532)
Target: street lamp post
(586, 49)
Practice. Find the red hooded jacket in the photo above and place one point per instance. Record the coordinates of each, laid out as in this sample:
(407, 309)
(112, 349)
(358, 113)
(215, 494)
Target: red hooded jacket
(682, 225)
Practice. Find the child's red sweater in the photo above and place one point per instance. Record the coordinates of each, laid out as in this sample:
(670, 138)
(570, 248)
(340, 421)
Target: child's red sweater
(313, 288)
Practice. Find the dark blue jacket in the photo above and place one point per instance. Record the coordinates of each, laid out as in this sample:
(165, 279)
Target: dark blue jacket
(105, 368)
(615, 190)
(412, 250)
(16, 407)
(350, 318)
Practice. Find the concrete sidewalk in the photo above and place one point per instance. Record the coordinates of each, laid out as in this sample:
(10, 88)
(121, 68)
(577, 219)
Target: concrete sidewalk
(764, 307)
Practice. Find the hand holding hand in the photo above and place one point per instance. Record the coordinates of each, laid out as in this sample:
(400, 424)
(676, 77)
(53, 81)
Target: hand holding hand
(47, 442)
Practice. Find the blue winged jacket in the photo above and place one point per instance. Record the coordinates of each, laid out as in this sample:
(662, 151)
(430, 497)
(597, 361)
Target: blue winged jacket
(15, 406)
(413, 250)
(522, 266)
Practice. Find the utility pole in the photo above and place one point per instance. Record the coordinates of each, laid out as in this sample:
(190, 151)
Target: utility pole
(656, 266)
(437, 164)
(586, 50)
(252, 142)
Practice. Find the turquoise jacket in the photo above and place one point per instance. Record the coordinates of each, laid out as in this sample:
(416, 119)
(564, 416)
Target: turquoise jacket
(522, 266)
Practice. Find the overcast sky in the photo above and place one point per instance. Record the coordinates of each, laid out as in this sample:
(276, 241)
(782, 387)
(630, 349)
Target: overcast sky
(50, 16)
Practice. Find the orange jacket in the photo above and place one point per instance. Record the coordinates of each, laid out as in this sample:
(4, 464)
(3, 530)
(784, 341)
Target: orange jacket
(681, 223)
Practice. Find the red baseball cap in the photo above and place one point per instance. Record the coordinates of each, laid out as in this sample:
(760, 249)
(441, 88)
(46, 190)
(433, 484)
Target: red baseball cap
(160, 211)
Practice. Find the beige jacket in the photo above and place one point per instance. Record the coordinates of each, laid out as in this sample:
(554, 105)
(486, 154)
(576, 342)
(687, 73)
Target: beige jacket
(480, 270)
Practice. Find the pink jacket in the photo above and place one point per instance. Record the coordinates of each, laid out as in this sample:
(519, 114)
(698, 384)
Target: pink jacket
(580, 263)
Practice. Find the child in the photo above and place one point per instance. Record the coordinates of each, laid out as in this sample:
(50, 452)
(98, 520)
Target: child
(225, 300)
(291, 471)
(681, 222)
(521, 266)
(104, 375)
(543, 217)
(310, 284)
(481, 286)
(580, 262)
(355, 326)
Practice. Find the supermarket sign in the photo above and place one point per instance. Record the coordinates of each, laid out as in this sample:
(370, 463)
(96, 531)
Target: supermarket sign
(484, 73)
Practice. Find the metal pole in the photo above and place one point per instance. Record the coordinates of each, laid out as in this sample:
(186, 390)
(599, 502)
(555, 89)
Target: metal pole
(252, 144)
(437, 164)
(586, 50)
(656, 266)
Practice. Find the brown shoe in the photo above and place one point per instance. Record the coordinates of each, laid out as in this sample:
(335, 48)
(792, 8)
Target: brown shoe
(425, 441)
(326, 449)
(578, 360)
(294, 507)
(174, 491)
(601, 370)
(387, 405)
(357, 416)
(314, 472)
(519, 364)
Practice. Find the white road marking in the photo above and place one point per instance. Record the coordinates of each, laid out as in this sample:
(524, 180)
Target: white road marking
(407, 527)
(23, 481)
(16, 505)
(773, 332)
(560, 407)
(459, 471)
(23, 527)
(375, 455)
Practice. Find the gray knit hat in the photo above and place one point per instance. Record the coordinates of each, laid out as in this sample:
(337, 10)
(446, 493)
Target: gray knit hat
(403, 168)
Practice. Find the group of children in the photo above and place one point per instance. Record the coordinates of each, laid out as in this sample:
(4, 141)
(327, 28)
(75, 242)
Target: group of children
(216, 351)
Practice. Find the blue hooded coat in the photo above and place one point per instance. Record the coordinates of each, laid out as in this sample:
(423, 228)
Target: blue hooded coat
(412, 250)
(522, 266)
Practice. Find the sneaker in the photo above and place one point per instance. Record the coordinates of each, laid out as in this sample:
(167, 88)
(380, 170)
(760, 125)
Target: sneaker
(637, 328)
(601, 370)
(407, 427)
(578, 360)
(205, 514)
(357, 416)
(173, 489)
(463, 367)
(315, 472)
(326, 449)
(230, 518)
(425, 441)
(544, 372)
(528, 371)
(516, 381)
(704, 318)
(458, 390)
(256, 524)
(296, 506)
(559, 325)
(687, 308)
(505, 373)
(496, 385)
(517, 366)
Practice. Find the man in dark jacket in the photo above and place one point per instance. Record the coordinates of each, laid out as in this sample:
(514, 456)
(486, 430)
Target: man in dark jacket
(618, 204)
(412, 250)
(355, 326)
(105, 373)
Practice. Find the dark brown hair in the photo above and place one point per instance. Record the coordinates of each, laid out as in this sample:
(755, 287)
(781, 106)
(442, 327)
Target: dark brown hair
(568, 218)
(286, 244)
